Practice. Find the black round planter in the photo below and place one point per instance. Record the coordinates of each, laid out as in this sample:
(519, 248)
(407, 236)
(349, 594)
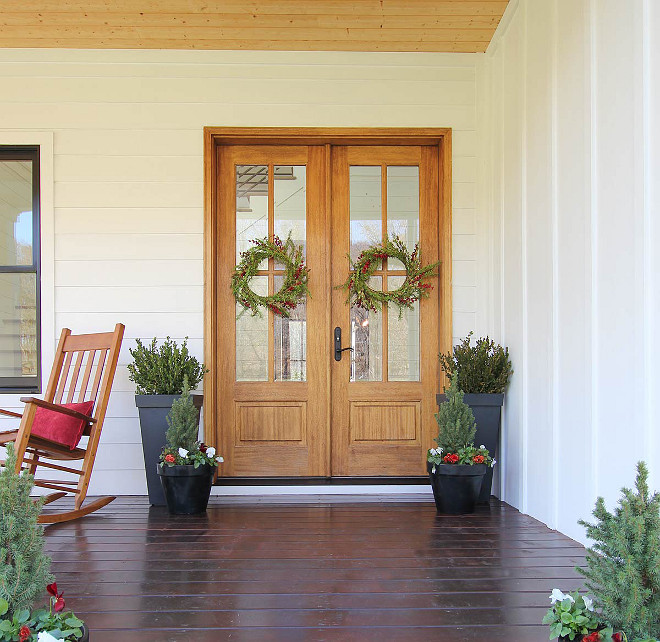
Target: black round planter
(85, 635)
(456, 487)
(487, 409)
(186, 488)
(153, 411)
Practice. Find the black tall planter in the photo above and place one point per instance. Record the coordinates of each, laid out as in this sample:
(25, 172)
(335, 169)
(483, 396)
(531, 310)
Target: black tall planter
(153, 410)
(487, 409)
(186, 488)
(456, 487)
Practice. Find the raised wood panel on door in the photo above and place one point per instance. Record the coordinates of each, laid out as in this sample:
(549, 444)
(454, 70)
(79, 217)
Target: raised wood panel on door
(273, 428)
(385, 427)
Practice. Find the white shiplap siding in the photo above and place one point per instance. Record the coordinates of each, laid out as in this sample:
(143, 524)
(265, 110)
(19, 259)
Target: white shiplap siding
(128, 182)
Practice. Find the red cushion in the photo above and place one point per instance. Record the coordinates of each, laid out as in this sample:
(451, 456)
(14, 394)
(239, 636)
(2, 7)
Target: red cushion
(59, 427)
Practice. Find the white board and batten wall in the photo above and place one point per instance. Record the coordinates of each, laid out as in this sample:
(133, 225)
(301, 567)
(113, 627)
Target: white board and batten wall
(126, 170)
(572, 178)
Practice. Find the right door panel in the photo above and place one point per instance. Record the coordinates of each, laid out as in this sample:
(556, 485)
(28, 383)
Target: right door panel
(383, 391)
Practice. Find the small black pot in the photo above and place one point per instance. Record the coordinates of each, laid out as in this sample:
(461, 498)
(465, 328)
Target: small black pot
(153, 411)
(456, 487)
(85, 635)
(187, 489)
(487, 409)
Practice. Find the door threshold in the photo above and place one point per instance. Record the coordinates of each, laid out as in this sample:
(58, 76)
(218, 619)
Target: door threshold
(323, 481)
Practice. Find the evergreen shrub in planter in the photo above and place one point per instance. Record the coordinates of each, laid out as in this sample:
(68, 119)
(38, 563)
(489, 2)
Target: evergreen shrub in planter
(186, 466)
(25, 569)
(484, 371)
(159, 373)
(622, 573)
(456, 467)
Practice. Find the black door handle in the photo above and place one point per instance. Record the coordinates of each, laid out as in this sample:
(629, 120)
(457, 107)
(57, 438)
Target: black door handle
(338, 348)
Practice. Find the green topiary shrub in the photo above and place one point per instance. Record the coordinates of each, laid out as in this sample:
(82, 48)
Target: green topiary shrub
(24, 568)
(481, 368)
(183, 422)
(162, 370)
(623, 565)
(456, 422)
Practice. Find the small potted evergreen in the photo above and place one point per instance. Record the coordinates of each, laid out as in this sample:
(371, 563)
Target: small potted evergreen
(186, 466)
(456, 466)
(484, 371)
(158, 373)
(25, 569)
(622, 574)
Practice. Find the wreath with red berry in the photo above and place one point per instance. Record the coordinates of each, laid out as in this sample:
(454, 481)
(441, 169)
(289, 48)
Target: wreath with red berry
(412, 289)
(293, 290)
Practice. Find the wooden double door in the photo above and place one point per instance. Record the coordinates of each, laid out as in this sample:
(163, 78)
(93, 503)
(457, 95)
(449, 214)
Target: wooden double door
(284, 405)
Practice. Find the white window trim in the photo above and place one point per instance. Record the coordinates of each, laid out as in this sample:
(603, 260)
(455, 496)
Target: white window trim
(48, 333)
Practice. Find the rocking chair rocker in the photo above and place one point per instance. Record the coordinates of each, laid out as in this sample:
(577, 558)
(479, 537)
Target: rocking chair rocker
(94, 356)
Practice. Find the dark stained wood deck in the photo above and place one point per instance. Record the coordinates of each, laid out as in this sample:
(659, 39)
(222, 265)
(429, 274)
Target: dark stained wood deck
(311, 568)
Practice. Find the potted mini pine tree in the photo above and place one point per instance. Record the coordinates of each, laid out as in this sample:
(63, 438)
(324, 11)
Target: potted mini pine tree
(187, 466)
(25, 568)
(622, 574)
(484, 371)
(456, 466)
(158, 372)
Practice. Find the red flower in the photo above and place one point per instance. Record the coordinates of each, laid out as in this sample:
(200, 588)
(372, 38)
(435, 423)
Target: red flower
(170, 459)
(58, 602)
(451, 458)
(24, 633)
(478, 459)
(617, 637)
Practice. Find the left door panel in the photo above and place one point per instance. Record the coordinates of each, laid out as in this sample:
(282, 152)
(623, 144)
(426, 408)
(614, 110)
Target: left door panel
(273, 373)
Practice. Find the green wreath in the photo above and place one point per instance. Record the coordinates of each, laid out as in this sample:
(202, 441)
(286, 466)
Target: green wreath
(293, 290)
(412, 289)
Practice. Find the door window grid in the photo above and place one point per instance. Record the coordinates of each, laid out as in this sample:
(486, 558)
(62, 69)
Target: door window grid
(271, 200)
(384, 200)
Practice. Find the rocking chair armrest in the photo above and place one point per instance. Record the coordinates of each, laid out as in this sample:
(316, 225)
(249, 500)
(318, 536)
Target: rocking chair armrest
(56, 408)
(10, 413)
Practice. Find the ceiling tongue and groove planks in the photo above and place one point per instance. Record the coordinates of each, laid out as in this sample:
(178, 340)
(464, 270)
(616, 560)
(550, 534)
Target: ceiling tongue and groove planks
(285, 25)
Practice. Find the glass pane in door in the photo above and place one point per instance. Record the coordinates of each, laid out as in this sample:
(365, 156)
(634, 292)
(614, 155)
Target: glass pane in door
(402, 207)
(365, 208)
(367, 340)
(402, 339)
(251, 207)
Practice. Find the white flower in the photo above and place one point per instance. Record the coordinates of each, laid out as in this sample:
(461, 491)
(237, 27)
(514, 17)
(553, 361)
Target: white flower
(210, 451)
(589, 603)
(44, 636)
(558, 596)
(433, 469)
(482, 447)
(183, 452)
(219, 459)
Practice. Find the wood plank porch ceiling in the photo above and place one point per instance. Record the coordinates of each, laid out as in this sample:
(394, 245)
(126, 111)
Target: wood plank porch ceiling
(285, 25)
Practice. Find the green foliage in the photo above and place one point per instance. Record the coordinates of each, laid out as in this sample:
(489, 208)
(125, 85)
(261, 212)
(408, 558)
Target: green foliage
(294, 285)
(412, 289)
(456, 421)
(24, 568)
(623, 565)
(162, 370)
(481, 368)
(183, 422)
(571, 617)
(62, 625)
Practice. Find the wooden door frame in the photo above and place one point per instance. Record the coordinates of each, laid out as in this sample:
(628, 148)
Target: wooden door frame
(215, 137)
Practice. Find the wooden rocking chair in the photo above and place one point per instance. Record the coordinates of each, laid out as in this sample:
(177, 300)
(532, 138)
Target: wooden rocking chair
(94, 358)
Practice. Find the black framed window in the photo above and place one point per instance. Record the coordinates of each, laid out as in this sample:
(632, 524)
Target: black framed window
(20, 291)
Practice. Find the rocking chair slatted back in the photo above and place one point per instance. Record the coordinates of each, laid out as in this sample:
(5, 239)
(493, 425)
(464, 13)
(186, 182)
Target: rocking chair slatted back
(83, 370)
